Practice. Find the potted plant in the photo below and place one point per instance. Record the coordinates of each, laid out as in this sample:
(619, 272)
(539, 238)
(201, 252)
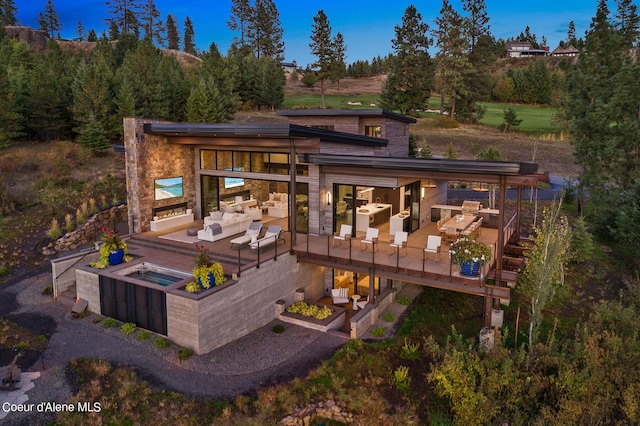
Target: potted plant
(207, 272)
(468, 253)
(113, 250)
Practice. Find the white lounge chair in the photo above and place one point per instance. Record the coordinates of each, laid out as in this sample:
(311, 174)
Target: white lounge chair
(362, 303)
(371, 238)
(399, 242)
(434, 243)
(270, 237)
(340, 296)
(343, 235)
(252, 233)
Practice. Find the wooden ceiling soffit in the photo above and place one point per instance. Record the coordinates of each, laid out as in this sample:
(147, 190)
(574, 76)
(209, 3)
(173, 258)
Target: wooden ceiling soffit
(245, 142)
(412, 175)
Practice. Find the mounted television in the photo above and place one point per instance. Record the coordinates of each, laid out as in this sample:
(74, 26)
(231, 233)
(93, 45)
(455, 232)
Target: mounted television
(168, 188)
(232, 182)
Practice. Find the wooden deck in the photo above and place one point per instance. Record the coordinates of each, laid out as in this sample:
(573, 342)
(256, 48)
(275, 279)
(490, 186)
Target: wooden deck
(409, 267)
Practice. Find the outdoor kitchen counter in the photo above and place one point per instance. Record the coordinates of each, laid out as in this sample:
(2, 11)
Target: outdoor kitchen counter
(372, 214)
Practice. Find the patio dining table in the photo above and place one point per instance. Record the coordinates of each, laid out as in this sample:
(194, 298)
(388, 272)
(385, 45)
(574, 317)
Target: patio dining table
(459, 224)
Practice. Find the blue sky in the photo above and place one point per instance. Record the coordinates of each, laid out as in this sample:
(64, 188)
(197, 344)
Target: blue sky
(367, 26)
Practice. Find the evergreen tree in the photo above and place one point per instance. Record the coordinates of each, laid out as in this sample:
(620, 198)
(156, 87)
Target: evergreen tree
(151, 22)
(48, 20)
(7, 13)
(189, 37)
(477, 22)
(241, 15)
(124, 13)
(125, 102)
(175, 87)
(11, 127)
(271, 83)
(627, 21)
(92, 136)
(338, 67)
(511, 119)
(92, 36)
(206, 104)
(571, 35)
(81, 35)
(247, 83)
(603, 111)
(410, 79)
(92, 94)
(452, 60)
(265, 30)
(322, 48)
(173, 38)
(114, 31)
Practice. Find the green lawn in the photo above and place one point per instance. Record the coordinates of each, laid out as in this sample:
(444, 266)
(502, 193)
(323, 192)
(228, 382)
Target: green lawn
(331, 101)
(535, 119)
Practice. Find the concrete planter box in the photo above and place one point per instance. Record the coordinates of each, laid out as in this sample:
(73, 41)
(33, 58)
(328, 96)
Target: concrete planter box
(181, 291)
(333, 322)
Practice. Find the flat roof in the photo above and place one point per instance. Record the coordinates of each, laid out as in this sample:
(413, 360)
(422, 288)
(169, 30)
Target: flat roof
(376, 112)
(260, 131)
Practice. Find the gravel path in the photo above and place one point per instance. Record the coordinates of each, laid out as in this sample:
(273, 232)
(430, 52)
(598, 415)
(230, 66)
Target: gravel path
(262, 358)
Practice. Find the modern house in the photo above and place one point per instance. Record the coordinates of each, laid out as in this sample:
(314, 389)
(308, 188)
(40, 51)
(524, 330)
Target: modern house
(326, 179)
(524, 49)
(566, 51)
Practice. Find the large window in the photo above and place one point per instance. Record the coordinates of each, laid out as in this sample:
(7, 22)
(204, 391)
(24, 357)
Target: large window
(373, 131)
(255, 162)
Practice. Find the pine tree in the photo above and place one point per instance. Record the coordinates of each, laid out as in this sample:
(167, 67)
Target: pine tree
(81, 35)
(627, 22)
(48, 20)
(265, 31)
(189, 37)
(452, 60)
(410, 78)
(241, 15)
(477, 22)
(92, 136)
(173, 37)
(271, 83)
(322, 48)
(92, 36)
(7, 13)
(125, 102)
(151, 22)
(11, 127)
(338, 67)
(124, 13)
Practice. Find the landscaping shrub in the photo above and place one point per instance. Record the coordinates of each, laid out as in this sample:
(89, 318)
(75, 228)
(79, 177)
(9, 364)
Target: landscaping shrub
(184, 353)
(404, 300)
(128, 328)
(378, 331)
(388, 316)
(109, 323)
(4, 270)
(410, 351)
(144, 335)
(401, 378)
(278, 328)
(162, 342)
(54, 231)
(47, 290)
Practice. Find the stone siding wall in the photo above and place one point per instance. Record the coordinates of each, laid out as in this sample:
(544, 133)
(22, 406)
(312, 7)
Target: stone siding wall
(151, 157)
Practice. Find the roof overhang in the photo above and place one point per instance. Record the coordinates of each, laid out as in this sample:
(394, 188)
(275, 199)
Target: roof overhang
(466, 170)
(376, 112)
(279, 134)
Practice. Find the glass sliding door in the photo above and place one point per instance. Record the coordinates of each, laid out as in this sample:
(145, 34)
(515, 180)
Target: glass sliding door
(343, 211)
(209, 185)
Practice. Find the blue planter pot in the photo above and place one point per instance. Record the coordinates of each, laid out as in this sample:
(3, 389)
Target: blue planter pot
(212, 281)
(116, 257)
(470, 268)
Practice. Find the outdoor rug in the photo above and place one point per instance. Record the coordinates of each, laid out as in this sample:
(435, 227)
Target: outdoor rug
(180, 236)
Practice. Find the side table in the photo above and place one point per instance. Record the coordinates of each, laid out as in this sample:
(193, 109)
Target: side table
(355, 298)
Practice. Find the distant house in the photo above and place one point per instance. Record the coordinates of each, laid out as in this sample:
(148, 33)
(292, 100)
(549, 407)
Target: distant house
(567, 51)
(289, 67)
(524, 49)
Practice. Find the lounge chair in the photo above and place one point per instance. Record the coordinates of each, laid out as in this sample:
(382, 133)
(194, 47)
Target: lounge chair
(340, 296)
(371, 238)
(343, 235)
(252, 233)
(434, 243)
(362, 303)
(399, 242)
(272, 236)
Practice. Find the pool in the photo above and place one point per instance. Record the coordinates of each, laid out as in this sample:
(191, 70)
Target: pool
(155, 274)
(155, 277)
